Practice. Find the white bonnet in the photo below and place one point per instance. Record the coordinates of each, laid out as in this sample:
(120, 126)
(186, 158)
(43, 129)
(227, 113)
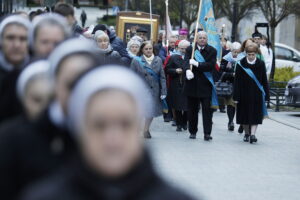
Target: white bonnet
(99, 79)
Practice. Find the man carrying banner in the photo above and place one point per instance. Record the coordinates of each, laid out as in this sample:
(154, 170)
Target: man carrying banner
(199, 87)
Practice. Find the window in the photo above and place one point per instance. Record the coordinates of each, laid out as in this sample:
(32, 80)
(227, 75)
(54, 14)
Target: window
(283, 53)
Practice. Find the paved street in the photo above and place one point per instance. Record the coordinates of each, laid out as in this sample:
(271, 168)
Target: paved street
(228, 168)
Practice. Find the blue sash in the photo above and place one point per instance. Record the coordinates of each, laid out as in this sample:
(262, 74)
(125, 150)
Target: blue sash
(156, 77)
(252, 75)
(208, 75)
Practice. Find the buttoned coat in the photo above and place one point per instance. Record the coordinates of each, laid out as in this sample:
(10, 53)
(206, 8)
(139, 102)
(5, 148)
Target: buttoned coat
(157, 88)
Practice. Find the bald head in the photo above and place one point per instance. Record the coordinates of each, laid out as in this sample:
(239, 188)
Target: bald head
(202, 38)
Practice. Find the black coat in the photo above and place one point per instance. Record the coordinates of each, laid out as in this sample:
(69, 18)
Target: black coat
(248, 95)
(10, 105)
(227, 72)
(199, 86)
(30, 151)
(78, 182)
(176, 97)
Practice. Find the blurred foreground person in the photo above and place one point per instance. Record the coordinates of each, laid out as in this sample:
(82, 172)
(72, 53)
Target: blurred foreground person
(251, 90)
(14, 31)
(113, 162)
(150, 68)
(105, 49)
(45, 145)
(199, 87)
(176, 98)
(48, 31)
(34, 91)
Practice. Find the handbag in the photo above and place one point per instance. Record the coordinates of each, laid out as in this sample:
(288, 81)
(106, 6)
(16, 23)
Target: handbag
(224, 89)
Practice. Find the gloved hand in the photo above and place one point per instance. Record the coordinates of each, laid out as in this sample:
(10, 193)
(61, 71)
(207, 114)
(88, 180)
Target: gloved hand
(194, 62)
(189, 74)
(163, 97)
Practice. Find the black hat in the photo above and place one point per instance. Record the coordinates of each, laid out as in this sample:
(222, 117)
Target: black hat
(256, 34)
(142, 30)
(98, 27)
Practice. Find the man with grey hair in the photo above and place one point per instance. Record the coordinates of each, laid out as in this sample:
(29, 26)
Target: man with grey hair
(199, 85)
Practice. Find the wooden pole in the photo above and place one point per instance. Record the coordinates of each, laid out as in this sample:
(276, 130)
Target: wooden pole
(151, 22)
(196, 32)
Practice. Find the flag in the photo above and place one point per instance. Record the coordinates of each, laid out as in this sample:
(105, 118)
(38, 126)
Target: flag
(207, 22)
(168, 23)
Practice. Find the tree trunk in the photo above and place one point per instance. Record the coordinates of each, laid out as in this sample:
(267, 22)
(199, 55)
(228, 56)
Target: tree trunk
(272, 74)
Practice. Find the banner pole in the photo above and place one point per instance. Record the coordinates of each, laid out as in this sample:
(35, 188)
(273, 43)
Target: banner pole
(151, 22)
(196, 32)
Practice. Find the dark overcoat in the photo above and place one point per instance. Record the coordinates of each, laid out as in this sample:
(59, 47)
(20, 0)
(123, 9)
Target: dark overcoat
(80, 182)
(247, 93)
(176, 97)
(30, 151)
(157, 88)
(10, 105)
(199, 86)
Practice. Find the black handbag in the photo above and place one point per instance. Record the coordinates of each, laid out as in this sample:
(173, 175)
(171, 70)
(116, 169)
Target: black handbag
(224, 89)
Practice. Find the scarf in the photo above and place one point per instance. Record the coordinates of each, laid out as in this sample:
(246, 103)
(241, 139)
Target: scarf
(106, 51)
(150, 59)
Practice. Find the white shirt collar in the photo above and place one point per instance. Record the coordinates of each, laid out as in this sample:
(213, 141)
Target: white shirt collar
(252, 62)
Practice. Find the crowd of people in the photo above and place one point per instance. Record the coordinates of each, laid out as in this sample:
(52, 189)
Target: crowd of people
(74, 102)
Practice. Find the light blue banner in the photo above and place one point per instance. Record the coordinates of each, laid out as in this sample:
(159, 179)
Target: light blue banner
(207, 22)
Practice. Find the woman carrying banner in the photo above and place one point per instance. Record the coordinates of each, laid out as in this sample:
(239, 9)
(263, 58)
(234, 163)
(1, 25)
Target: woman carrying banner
(251, 90)
(150, 68)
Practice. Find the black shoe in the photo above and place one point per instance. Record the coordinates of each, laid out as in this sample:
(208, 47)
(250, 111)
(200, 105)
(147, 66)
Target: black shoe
(147, 135)
(253, 139)
(246, 138)
(193, 136)
(167, 120)
(174, 123)
(184, 127)
(179, 129)
(241, 129)
(207, 137)
(222, 111)
(231, 126)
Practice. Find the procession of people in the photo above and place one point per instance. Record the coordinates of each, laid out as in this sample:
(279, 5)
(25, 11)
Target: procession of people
(74, 104)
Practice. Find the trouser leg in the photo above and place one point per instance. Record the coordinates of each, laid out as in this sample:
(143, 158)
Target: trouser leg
(230, 113)
(206, 115)
(193, 110)
(178, 114)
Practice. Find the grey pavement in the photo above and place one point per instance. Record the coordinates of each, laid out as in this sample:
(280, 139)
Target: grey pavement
(227, 168)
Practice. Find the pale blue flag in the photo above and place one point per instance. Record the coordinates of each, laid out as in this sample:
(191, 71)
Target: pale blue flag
(207, 21)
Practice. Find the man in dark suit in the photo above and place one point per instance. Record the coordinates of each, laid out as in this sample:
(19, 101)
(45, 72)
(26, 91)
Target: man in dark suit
(198, 88)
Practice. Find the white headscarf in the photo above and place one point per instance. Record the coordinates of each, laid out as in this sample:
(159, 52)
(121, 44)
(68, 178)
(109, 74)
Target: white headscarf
(69, 47)
(49, 18)
(15, 19)
(33, 70)
(99, 79)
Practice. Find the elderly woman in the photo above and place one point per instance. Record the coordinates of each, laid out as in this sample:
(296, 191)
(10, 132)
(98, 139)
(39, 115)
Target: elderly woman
(38, 149)
(133, 47)
(14, 55)
(177, 100)
(48, 31)
(113, 162)
(251, 90)
(150, 68)
(227, 69)
(105, 48)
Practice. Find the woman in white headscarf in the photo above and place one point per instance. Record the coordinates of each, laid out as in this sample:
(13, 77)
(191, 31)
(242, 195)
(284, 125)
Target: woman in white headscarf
(105, 49)
(133, 47)
(113, 162)
(48, 31)
(14, 32)
(44, 146)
